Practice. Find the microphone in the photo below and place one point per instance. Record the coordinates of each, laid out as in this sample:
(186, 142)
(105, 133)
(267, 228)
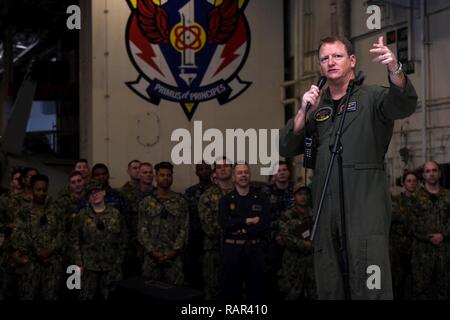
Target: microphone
(320, 84)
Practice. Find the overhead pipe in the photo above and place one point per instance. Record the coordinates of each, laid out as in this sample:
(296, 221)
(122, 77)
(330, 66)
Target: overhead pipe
(423, 64)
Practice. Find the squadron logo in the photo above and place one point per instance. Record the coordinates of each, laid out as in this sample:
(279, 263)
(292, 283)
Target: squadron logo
(188, 51)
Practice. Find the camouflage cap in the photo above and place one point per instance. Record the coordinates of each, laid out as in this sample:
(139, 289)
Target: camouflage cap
(300, 186)
(93, 185)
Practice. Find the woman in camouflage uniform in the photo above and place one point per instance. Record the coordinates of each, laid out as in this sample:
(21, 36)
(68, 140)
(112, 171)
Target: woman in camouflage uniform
(37, 244)
(99, 240)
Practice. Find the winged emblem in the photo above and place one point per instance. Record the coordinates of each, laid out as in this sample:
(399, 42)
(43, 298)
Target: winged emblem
(223, 21)
(153, 22)
(188, 51)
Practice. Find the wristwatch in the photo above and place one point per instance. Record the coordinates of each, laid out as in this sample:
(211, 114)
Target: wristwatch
(398, 71)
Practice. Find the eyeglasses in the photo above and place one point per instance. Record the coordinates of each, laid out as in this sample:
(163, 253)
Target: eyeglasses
(336, 57)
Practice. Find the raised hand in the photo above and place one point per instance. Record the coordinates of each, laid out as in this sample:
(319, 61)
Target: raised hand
(384, 55)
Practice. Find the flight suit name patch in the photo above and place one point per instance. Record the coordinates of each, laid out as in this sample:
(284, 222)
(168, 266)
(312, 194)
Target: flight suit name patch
(350, 108)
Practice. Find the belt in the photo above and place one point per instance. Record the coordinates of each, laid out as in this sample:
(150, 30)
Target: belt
(242, 242)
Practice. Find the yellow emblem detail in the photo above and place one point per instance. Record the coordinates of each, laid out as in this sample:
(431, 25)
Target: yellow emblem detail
(232, 206)
(156, 2)
(192, 37)
(189, 106)
(323, 114)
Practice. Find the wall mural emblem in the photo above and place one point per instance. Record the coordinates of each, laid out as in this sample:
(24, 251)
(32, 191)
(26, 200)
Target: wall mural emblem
(188, 51)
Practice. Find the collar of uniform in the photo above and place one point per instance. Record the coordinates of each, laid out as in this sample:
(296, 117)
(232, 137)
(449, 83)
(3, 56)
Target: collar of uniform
(289, 188)
(329, 100)
(204, 187)
(93, 214)
(442, 192)
(46, 207)
(306, 213)
(149, 192)
(252, 191)
(157, 197)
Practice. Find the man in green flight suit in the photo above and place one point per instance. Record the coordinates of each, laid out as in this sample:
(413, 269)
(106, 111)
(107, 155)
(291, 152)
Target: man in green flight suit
(367, 132)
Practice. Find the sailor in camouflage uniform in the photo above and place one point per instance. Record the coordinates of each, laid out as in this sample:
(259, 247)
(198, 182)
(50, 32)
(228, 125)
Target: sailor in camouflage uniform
(163, 227)
(37, 241)
(26, 196)
(296, 277)
(430, 251)
(10, 210)
(401, 237)
(194, 250)
(82, 166)
(99, 241)
(67, 202)
(208, 209)
(281, 197)
(6, 220)
(113, 198)
(133, 173)
(134, 256)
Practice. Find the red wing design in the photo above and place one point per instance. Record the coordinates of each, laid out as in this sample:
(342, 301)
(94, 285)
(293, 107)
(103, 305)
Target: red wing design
(223, 21)
(152, 21)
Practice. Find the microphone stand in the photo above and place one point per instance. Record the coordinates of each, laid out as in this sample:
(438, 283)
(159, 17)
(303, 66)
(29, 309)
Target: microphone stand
(336, 151)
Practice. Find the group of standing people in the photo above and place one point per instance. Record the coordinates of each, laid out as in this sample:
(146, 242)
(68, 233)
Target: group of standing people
(254, 236)
(215, 237)
(42, 236)
(420, 255)
(233, 240)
